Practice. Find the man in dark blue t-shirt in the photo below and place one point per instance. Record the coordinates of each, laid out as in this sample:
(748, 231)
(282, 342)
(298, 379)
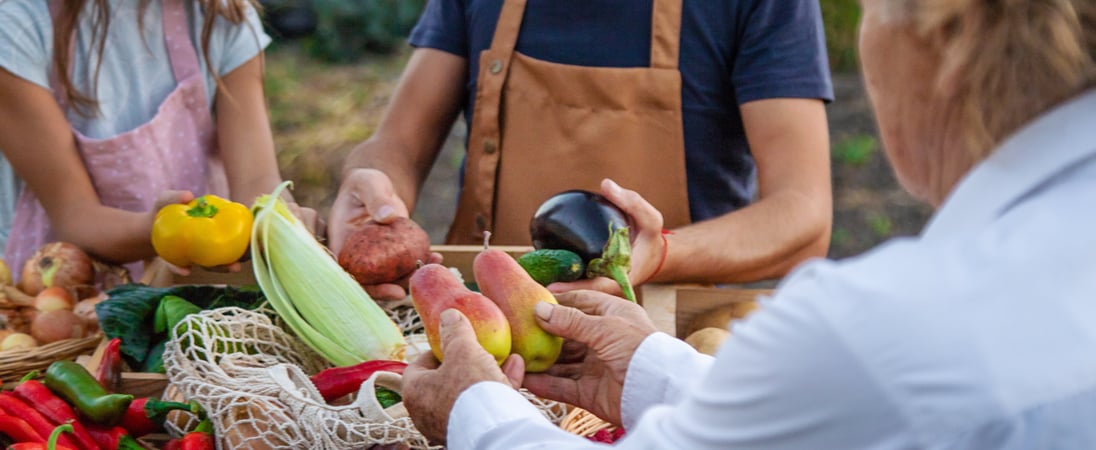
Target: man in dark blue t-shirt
(753, 79)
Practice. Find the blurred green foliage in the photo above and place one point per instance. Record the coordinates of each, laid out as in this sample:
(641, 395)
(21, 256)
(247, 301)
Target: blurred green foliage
(880, 223)
(841, 19)
(347, 30)
(855, 150)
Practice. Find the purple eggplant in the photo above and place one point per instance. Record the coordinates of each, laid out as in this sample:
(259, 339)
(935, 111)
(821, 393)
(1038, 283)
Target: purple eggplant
(590, 226)
(576, 220)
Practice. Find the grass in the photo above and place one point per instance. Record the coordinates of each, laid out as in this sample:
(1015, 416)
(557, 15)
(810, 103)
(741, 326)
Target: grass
(841, 19)
(320, 111)
(855, 150)
(880, 224)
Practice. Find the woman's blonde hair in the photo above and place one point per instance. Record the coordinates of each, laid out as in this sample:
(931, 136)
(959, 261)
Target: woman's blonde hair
(68, 19)
(1006, 61)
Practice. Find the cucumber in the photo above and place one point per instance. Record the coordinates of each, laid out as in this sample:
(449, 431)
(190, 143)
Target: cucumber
(548, 266)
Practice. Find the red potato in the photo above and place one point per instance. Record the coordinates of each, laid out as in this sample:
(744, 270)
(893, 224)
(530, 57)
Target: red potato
(385, 253)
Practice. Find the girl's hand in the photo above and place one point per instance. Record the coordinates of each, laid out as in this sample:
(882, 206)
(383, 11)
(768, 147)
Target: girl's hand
(170, 237)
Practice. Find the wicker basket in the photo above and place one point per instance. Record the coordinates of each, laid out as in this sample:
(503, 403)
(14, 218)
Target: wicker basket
(14, 364)
(584, 423)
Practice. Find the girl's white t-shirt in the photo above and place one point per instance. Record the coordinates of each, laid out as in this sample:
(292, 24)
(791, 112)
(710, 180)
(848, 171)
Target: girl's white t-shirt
(135, 74)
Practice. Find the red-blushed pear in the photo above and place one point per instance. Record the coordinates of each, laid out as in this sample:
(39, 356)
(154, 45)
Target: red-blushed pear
(504, 281)
(434, 289)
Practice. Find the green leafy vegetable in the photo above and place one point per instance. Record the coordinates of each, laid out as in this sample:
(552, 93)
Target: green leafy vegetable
(172, 310)
(130, 311)
(387, 397)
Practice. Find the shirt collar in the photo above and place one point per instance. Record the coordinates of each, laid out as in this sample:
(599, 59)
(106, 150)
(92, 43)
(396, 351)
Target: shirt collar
(1050, 144)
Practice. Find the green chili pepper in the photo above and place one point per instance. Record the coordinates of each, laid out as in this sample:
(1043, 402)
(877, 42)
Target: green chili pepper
(79, 387)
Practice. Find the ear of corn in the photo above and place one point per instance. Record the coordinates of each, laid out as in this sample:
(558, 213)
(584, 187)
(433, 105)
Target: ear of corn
(323, 305)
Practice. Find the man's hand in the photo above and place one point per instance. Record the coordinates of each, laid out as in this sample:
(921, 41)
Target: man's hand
(431, 388)
(645, 231)
(601, 333)
(367, 194)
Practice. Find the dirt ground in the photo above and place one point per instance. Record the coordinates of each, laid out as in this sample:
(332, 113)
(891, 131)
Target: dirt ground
(320, 112)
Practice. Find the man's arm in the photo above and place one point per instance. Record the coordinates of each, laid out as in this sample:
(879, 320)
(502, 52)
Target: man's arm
(419, 116)
(791, 219)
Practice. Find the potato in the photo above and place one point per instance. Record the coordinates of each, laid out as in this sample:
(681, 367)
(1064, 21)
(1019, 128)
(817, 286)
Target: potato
(707, 340)
(720, 316)
(385, 253)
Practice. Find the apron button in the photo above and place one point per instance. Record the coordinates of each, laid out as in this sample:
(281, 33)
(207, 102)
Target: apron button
(481, 221)
(489, 146)
(496, 66)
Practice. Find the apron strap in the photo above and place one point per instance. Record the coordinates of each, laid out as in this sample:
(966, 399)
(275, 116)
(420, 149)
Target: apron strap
(508, 27)
(180, 51)
(665, 34)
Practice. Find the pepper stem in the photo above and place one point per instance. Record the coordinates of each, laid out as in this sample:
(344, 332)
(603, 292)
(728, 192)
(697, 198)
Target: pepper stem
(30, 376)
(127, 442)
(615, 261)
(51, 444)
(157, 410)
(205, 426)
(202, 209)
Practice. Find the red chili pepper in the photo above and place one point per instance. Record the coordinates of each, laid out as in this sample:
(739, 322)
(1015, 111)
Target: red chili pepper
(146, 415)
(34, 393)
(199, 439)
(13, 406)
(19, 430)
(115, 437)
(51, 444)
(339, 381)
(109, 373)
(173, 444)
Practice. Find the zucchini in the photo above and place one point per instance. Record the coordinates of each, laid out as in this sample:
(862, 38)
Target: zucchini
(548, 266)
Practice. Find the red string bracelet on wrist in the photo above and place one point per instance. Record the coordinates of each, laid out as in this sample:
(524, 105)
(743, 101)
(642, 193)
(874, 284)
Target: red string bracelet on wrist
(662, 259)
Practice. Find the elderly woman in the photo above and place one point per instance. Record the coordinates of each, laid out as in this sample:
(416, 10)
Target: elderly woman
(976, 334)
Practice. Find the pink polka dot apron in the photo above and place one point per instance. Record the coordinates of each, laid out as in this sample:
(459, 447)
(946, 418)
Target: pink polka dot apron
(175, 150)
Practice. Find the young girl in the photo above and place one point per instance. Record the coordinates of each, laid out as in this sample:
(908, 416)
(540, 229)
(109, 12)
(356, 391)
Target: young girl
(110, 109)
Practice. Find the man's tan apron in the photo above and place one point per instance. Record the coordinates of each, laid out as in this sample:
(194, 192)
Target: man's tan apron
(540, 128)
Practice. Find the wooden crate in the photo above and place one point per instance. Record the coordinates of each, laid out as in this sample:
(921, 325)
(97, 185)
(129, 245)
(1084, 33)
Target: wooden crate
(670, 306)
(673, 306)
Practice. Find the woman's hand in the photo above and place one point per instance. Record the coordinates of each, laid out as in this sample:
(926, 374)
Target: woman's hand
(601, 333)
(645, 232)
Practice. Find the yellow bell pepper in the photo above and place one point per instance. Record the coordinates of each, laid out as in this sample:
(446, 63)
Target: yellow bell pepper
(209, 231)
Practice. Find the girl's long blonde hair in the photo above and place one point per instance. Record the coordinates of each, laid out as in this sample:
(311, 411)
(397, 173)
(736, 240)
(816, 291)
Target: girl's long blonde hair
(1006, 61)
(68, 19)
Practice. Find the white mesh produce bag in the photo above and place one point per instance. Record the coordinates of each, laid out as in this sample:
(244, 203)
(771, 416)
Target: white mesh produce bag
(252, 378)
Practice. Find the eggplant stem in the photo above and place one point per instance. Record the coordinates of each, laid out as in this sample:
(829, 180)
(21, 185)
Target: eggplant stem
(615, 262)
(620, 274)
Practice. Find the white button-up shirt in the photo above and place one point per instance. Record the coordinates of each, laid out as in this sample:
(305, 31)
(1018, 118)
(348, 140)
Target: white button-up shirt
(978, 334)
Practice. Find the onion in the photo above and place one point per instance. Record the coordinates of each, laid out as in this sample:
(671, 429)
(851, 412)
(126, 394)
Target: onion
(57, 264)
(86, 310)
(57, 325)
(17, 341)
(54, 298)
